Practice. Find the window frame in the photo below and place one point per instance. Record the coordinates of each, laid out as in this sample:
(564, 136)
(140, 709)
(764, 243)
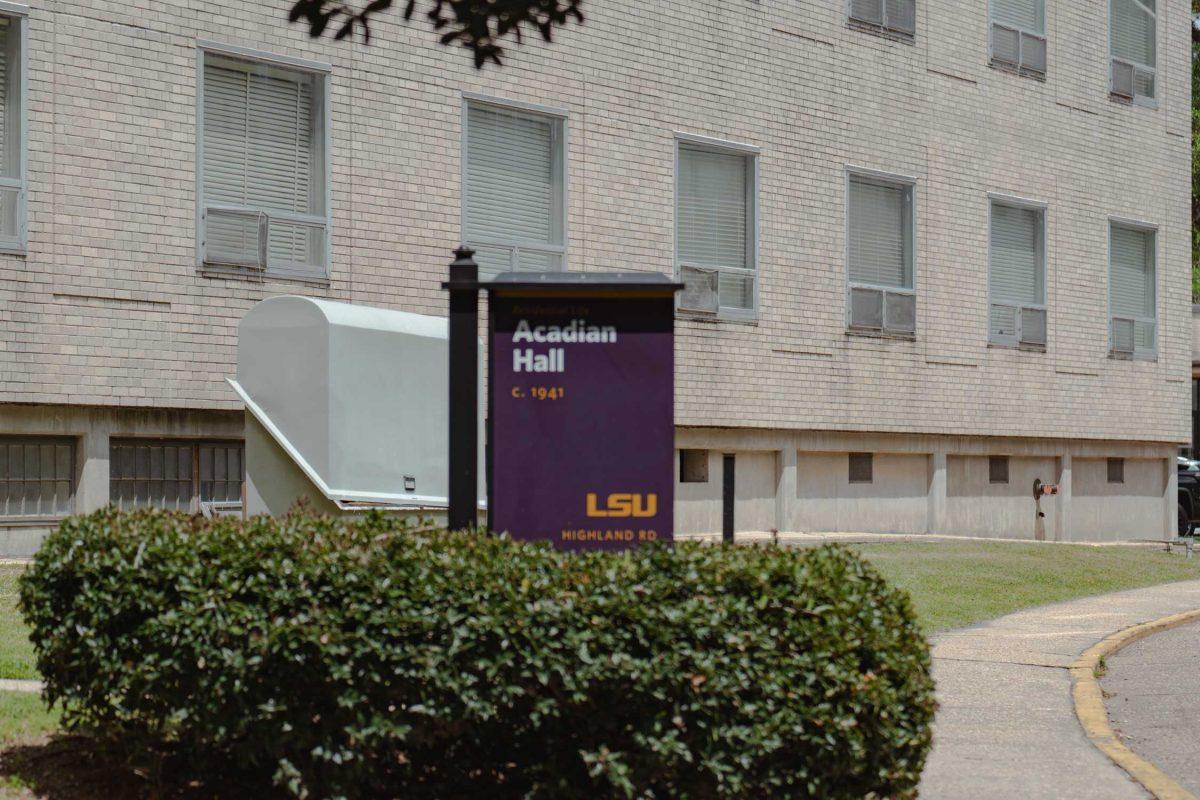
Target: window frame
(323, 133)
(561, 118)
(1141, 227)
(882, 28)
(19, 245)
(895, 180)
(74, 443)
(752, 155)
(1137, 100)
(1043, 209)
(1019, 68)
(197, 505)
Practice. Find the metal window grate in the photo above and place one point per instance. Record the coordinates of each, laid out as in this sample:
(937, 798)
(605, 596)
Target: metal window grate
(1116, 470)
(174, 475)
(998, 469)
(37, 476)
(862, 468)
(693, 466)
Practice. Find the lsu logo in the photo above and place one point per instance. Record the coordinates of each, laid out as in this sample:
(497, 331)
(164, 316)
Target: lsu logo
(623, 505)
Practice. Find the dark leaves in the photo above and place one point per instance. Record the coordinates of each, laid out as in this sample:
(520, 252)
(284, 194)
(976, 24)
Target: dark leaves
(369, 659)
(477, 25)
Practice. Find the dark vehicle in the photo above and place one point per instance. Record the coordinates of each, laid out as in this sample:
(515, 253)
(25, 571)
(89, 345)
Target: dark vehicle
(1189, 495)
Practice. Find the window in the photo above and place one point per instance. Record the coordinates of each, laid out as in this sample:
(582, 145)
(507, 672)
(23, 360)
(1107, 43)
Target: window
(862, 468)
(1017, 275)
(881, 296)
(515, 190)
(897, 17)
(262, 182)
(1133, 30)
(1132, 292)
(175, 475)
(1019, 35)
(12, 134)
(37, 476)
(693, 466)
(1116, 470)
(716, 231)
(998, 469)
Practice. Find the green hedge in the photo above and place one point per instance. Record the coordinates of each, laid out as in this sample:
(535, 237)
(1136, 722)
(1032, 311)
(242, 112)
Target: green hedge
(370, 660)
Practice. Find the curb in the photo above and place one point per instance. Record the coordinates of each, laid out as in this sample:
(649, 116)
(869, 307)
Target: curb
(1093, 716)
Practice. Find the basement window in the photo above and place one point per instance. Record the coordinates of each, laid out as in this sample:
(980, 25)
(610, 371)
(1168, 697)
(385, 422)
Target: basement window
(1116, 470)
(998, 469)
(177, 475)
(693, 466)
(862, 468)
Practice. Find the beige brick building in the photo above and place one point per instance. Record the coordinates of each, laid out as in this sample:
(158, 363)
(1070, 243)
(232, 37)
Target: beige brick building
(949, 242)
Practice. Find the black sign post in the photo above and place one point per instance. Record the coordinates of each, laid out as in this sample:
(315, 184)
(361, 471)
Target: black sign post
(464, 390)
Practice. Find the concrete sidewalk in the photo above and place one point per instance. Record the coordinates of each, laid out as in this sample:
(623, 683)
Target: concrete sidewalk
(1007, 727)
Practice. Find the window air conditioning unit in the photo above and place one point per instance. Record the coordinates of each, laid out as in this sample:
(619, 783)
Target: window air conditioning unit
(699, 290)
(1033, 326)
(1122, 80)
(1123, 336)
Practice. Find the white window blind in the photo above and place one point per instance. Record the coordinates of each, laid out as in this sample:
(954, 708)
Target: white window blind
(880, 245)
(1133, 48)
(263, 169)
(515, 191)
(1019, 35)
(715, 222)
(880, 234)
(1132, 290)
(1017, 277)
(12, 183)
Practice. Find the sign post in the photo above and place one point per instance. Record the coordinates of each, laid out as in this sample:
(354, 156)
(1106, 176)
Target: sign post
(464, 389)
(581, 426)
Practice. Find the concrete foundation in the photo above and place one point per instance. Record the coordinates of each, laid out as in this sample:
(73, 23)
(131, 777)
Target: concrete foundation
(784, 481)
(800, 482)
(92, 429)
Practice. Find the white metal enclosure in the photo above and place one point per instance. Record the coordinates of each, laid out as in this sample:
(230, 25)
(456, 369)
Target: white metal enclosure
(357, 397)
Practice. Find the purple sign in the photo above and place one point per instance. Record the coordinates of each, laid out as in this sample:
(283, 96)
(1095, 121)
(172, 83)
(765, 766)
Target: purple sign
(582, 417)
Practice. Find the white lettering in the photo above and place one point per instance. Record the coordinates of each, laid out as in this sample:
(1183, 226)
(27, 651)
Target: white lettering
(529, 361)
(575, 331)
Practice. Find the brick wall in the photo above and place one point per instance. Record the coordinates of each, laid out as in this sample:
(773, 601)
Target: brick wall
(108, 308)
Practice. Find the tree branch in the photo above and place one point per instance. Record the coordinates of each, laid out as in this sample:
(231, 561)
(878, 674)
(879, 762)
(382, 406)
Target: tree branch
(477, 25)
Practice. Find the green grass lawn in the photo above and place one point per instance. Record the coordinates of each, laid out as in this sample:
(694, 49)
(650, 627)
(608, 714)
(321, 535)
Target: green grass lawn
(16, 652)
(954, 584)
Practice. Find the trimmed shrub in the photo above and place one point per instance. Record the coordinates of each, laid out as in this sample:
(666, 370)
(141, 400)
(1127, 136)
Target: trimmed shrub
(368, 659)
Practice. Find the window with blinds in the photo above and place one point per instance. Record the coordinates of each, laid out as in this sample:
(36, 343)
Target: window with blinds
(12, 136)
(1132, 292)
(176, 475)
(715, 230)
(1017, 276)
(263, 169)
(880, 249)
(895, 17)
(37, 476)
(1133, 32)
(1018, 35)
(515, 186)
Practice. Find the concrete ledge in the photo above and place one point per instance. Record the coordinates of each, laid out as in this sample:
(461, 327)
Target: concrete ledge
(1093, 716)
(800, 539)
